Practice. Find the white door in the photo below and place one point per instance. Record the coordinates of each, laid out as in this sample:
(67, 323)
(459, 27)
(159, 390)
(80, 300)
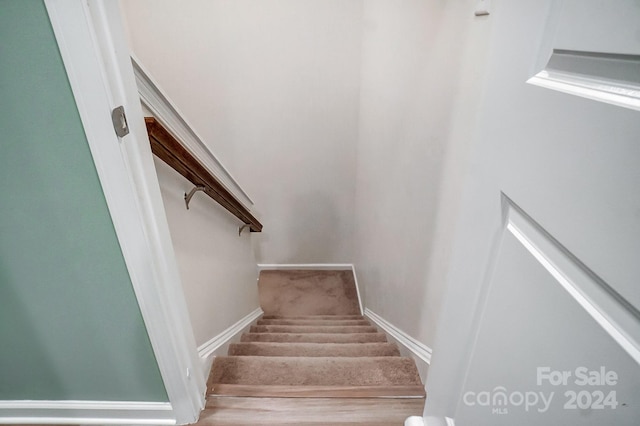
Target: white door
(542, 322)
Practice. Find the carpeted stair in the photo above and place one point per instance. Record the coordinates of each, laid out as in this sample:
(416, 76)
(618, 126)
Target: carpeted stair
(314, 337)
(300, 329)
(313, 342)
(313, 349)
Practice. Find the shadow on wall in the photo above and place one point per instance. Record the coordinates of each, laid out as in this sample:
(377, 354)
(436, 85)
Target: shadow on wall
(314, 229)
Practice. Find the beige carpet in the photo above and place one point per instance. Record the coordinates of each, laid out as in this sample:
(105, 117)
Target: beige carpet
(312, 343)
(330, 358)
(314, 337)
(313, 349)
(300, 292)
(312, 329)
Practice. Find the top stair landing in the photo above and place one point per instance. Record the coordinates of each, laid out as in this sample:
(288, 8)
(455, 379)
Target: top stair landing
(294, 293)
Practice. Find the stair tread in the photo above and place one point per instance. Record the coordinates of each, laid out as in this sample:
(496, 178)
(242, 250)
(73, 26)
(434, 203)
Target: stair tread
(313, 349)
(314, 337)
(318, 371)
(314, 317)
(312, 329)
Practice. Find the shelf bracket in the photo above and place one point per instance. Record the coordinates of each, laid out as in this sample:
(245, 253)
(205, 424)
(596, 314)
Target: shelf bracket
(242, 228)
(187, 197)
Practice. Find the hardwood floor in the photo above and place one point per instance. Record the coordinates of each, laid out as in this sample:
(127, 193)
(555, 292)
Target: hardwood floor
(237, 411)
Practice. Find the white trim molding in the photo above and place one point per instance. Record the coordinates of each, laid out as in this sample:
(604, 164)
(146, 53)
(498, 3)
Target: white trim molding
(355, 278)
(603, 77)
(609, 309)
(208, 348)
(419, 349)
(316, 267)
(305, 266)
(91, 39)
(86, 412)
(167, 113)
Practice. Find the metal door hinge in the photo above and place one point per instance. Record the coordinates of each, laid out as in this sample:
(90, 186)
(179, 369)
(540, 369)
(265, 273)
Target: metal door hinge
(119, 120)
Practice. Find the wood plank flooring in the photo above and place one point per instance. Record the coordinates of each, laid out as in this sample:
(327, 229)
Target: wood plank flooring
(238, 411)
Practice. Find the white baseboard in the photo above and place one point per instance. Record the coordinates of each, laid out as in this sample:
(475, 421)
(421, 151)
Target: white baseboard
(305, 266)
(420, 352)
(87, 412)
(218, 344)
(316, 267)
(355, 278)
(94, 50)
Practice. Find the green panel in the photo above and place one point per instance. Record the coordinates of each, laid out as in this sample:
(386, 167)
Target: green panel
(70, 325)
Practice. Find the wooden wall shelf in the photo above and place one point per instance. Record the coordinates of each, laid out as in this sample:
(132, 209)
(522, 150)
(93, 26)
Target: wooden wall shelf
(170, 150)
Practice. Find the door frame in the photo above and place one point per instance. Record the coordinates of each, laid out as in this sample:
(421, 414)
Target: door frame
(102, 80)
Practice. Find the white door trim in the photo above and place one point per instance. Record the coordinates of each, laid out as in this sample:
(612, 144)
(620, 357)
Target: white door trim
(305, 266)
(87, 412)
(101, 81)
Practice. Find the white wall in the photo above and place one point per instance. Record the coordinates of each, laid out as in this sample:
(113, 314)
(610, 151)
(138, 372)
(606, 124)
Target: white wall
(273, 89)
(305, 101)
(422, 70)
(217, 266)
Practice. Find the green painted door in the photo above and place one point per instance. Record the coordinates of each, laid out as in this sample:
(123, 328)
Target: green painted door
(70, 325)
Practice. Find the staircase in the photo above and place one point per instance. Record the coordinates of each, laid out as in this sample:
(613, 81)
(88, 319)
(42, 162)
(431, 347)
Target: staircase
(312, 359)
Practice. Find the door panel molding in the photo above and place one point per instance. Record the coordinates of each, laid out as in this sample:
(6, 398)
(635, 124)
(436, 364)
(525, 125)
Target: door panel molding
(575, 56)
(599, 76)
(619, 318)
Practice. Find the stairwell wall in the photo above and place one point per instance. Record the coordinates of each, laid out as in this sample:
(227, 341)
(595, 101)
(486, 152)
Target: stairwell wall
(273, 89)
(217, 266)
(422, 74)
(347, 121)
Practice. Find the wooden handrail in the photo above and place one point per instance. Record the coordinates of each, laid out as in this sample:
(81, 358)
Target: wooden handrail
(170, 150)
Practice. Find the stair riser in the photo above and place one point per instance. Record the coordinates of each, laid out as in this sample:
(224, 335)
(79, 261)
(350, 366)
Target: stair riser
(339, 371)
(315, 317)
(314, 349)
(301, 393)
(311, 329)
